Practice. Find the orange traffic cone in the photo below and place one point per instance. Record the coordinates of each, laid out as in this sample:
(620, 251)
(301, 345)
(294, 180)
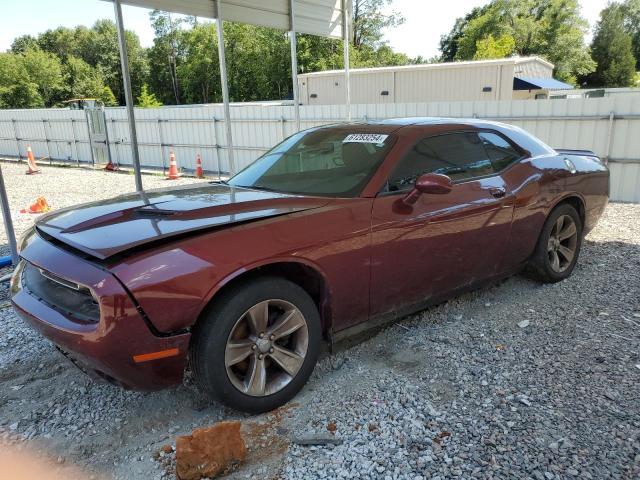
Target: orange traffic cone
(199, 172)
(40, 206)
(111, 167)
(31, 162)
(173, 167)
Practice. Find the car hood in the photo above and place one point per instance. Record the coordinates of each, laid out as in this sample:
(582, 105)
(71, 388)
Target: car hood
(106, 228)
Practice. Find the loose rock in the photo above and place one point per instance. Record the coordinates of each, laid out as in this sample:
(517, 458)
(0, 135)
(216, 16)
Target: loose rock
(210, 451)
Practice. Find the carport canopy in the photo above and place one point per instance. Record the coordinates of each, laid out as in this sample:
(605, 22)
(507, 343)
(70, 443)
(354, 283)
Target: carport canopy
(528, 83)
(315, 17)
(328, 18)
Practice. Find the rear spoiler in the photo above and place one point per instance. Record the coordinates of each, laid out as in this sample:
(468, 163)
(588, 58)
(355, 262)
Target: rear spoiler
(583, 153)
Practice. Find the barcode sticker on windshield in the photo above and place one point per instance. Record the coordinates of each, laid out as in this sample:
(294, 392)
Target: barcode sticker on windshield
(365, 138)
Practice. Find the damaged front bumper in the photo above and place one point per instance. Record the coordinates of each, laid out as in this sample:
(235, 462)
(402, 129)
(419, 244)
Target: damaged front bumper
(112, 339)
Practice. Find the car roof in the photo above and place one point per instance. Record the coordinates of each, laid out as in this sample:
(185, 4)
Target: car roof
(407, 121)
(392, 124)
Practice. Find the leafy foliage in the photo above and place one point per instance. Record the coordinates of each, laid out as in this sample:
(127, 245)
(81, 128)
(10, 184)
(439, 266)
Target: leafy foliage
(370, 18)
(631, 18)
(16, 89)
(612, 48)
(148, 100)
(490, 47)
(449, 42)
(552, 29)
(68, 63)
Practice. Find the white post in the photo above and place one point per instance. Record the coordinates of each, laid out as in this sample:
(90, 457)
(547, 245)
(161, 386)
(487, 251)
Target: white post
(128, 96)
(346, 15)
(225, 88)
(294, 62)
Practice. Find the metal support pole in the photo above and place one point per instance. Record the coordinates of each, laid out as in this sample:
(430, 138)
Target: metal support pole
(8, 224)
(225, 88)
(294, 63)
(126, 82)
(346, 15)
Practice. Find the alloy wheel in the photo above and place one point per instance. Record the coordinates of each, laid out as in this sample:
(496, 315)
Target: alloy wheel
(562, 243)
(266, 347)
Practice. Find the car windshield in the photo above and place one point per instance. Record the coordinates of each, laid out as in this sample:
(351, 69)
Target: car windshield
(335, 162)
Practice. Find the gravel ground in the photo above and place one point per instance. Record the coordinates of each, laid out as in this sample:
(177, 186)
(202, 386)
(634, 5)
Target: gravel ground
(517, 380)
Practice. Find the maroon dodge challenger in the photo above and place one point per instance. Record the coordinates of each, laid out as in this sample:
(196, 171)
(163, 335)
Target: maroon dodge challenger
(335, 230)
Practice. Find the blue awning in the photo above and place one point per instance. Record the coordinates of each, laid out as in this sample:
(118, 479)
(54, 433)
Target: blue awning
(527, 83)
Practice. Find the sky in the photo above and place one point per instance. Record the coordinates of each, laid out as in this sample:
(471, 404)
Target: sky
(419, 35)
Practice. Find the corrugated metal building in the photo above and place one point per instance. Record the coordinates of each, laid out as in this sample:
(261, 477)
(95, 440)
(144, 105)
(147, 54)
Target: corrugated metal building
(453, 81)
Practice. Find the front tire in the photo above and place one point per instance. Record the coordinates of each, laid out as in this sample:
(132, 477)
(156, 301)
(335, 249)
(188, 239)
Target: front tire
(257, 345)
(558, 247)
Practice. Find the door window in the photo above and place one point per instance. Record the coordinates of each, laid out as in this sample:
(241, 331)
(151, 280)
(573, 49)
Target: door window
(460, 156)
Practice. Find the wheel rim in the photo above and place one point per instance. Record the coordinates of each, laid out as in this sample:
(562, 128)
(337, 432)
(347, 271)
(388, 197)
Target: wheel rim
(266, 348)
(562, 243)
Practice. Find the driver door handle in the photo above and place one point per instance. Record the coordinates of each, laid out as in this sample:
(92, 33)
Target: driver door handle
(498, 192)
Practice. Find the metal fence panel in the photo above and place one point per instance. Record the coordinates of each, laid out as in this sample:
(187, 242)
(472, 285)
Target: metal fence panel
(609, 126)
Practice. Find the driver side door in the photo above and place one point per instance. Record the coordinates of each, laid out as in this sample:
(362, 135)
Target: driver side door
(444, 242)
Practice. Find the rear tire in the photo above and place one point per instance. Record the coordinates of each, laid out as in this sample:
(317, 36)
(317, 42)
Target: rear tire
(558, 247)
(256, 346)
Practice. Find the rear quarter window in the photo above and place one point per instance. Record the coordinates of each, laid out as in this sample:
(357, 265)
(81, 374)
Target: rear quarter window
(499, 150)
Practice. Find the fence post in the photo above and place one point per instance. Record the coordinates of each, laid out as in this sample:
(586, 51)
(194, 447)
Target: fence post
(15, 134)
(75, 141)
(217, 145)
(90, 137)
(609, 135)
(162, 150)
(46, 138)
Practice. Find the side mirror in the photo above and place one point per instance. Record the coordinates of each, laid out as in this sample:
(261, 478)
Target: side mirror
(429, 183)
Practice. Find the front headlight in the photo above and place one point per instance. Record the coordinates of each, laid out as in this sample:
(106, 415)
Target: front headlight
(25, 239)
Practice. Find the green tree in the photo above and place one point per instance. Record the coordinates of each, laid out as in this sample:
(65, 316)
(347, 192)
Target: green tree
(490, 47)
(631, 11)
(165, 56)
(449, 42)
(148, 100)
(552, 29)
(45, 70)
(612, 48)
(370, 18)
(96, 46)
(106, 55)
(82, 80)
(23, 43)
(16, 88)
(60, 42)
(199, 74)
(108, 98)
